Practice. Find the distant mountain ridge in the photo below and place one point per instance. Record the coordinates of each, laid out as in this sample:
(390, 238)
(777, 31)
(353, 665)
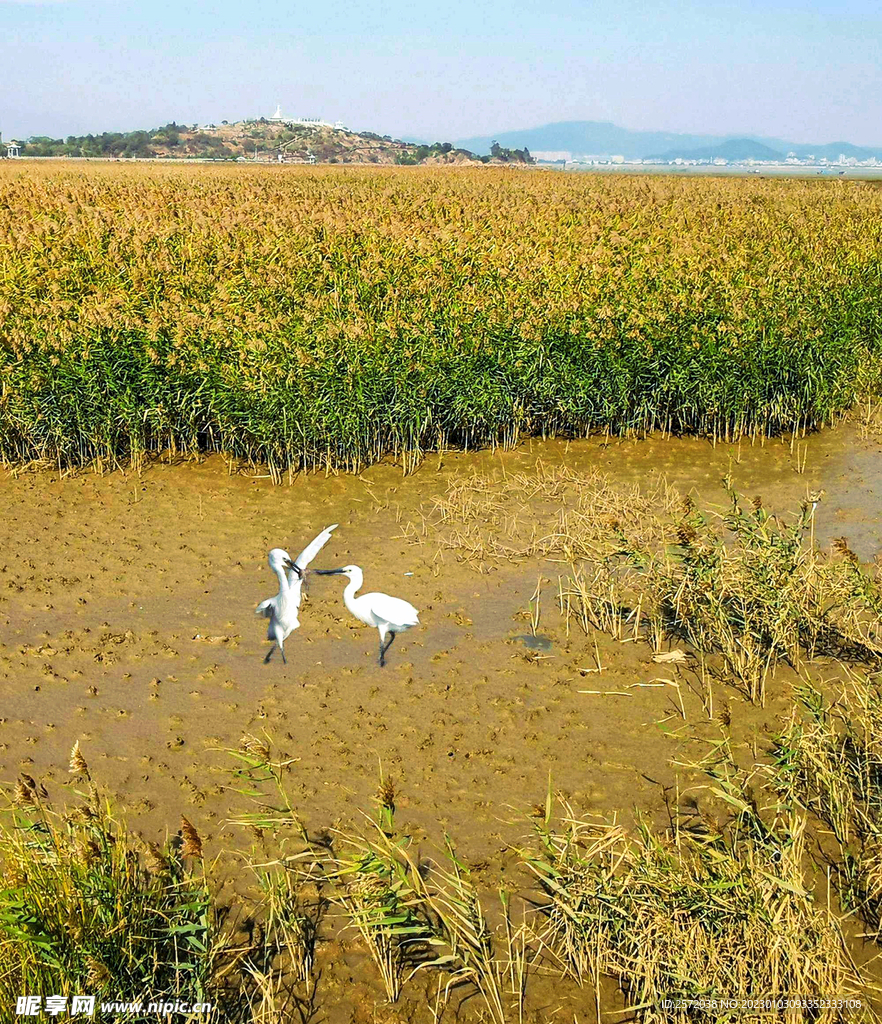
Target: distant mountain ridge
(602, 138)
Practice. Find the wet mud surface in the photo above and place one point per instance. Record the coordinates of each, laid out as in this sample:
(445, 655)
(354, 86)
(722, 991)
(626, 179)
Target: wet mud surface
(126, 621)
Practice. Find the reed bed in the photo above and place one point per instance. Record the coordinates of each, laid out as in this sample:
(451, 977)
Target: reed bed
(304, 317)
(87, 908)
(720, 905)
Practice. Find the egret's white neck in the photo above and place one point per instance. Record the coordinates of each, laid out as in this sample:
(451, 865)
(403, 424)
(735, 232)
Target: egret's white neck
(349, 593)
(283, 579)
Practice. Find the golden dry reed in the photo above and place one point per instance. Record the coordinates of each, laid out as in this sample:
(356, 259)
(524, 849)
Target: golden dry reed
(303, 317)
(744, 586)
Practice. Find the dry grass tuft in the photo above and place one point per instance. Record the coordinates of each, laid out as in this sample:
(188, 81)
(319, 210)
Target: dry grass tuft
(24, 794)
(830, 758)
(742, 585)
(711, 910)
(551, 512)
(256, 747)
(78, 765)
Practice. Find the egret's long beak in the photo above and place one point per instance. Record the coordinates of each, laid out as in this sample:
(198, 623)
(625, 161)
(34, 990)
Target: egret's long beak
(293, 565)
(329, 572)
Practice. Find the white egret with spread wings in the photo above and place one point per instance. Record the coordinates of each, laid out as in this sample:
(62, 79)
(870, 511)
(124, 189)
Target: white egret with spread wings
(283, 609)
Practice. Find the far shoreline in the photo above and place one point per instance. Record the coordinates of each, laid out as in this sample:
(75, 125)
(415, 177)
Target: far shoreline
(832, 172)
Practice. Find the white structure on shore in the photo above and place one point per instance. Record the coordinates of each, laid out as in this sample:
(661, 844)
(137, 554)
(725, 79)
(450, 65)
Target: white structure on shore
(552, 156)
(314, 122)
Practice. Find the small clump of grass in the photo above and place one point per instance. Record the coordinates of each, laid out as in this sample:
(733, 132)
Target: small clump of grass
(379, 887)
(468, 946)
(87, 907)
(276, 968)
(257, 772)
(375, 890)
(830, 759)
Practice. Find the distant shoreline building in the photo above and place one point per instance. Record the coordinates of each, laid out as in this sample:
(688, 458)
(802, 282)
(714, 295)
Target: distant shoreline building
(307, 122)
(552, 156)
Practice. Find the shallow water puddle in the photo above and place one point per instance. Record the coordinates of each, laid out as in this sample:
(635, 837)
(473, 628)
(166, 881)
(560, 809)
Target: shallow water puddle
(535, 643)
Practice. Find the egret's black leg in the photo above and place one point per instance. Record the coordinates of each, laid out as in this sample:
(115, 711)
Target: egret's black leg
(386, 648)
(284, 659)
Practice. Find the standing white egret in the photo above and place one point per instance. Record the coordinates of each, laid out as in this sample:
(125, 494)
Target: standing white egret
(390, 615)
(282, 609)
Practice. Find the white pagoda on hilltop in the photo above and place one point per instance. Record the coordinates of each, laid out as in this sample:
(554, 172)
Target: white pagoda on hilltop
(314, 122)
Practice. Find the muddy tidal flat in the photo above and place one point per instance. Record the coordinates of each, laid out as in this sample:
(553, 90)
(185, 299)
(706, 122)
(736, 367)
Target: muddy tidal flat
(126, 622)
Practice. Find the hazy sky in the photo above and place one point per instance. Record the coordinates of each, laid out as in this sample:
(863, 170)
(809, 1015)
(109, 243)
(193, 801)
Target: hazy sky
(802, 71)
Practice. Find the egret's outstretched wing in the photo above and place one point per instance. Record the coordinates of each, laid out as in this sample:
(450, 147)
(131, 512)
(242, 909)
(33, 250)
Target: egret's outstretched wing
(265, 608)
(295, 593)
(312, 549)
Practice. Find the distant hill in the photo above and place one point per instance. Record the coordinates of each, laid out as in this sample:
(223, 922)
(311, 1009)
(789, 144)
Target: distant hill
(599, 138)
(833, 150)
(733, 150)
(602, 138)
(265, 140)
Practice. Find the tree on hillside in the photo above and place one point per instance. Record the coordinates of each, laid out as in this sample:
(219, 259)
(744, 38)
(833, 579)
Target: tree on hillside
(512, 156)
